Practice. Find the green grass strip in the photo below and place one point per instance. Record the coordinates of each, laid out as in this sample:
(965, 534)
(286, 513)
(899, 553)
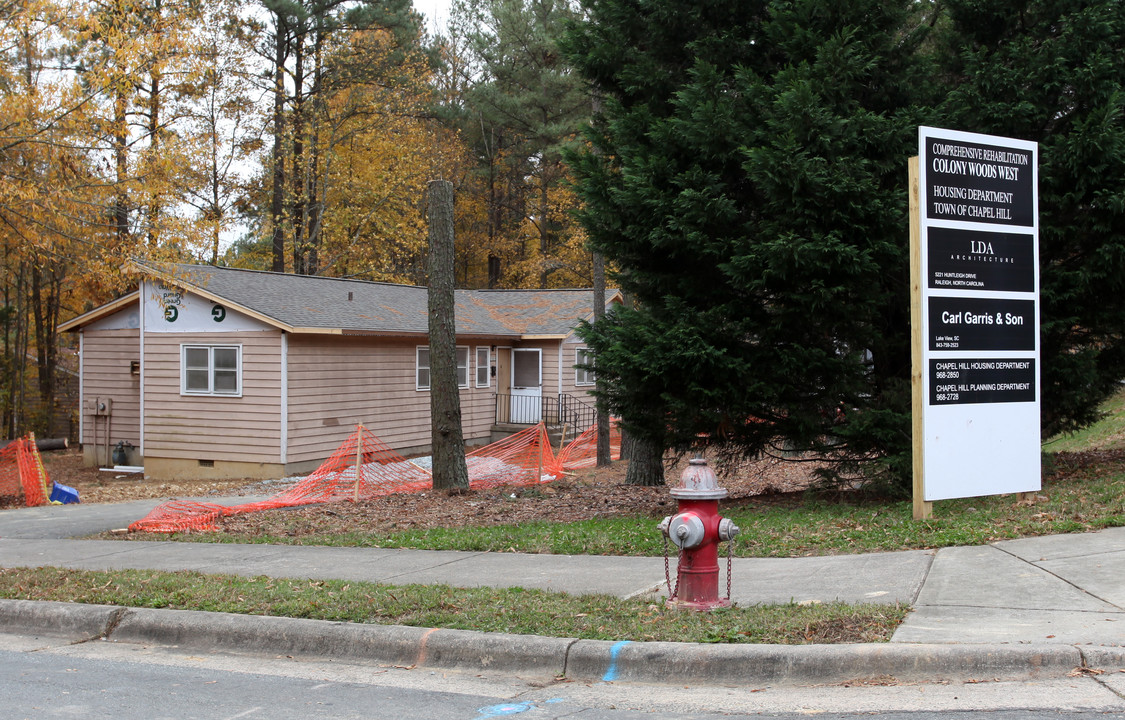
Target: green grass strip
(1086, 499)
(519, 611)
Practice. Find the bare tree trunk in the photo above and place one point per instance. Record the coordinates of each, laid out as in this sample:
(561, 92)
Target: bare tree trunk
(646, 464)
(121, 161)
(449, 469)
(155, 204)
(15, 324)
(277, 199)
(297, 215)
(18, 357)
(604, 456)
(216, 203)
(44, 300)
(544, 230)
(313, 177)
(626, 436)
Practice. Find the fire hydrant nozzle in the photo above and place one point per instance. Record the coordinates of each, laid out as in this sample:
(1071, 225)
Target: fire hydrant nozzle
(727, 529)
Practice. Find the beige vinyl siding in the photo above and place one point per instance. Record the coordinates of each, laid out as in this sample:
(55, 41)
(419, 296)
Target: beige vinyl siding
(550, 366)
(106, 357)
(569, 373)
(336, 383)
(194, 427)
(580, 393)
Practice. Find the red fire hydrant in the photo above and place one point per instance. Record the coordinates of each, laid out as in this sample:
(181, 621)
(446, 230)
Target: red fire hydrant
(697, 529)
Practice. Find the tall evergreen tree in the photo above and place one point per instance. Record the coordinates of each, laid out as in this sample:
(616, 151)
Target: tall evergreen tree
(748, 182)
(1053, 71)
(522, 107)
(305, 72)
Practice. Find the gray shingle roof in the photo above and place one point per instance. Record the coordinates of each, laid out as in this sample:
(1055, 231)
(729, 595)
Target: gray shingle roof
(331, 304)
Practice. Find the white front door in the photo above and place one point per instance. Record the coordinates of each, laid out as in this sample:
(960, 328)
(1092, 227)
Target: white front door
(527, 385)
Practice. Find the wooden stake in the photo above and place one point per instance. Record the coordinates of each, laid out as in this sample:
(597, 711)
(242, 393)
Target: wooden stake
(358, 458)
(562, 440)
(542, 436)
(922, 509)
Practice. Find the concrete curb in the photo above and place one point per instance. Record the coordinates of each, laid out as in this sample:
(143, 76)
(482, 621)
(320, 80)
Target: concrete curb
(390, 644)
(816, 664)
(530, 655)
(74, 621)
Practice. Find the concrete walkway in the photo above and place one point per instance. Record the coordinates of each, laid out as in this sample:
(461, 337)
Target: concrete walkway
(1022, 598)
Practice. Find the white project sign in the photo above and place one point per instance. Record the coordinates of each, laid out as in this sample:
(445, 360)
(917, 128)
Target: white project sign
(977, 285)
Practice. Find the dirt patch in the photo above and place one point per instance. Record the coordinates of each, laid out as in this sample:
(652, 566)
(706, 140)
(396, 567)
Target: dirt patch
(98, 486)
(596, 492)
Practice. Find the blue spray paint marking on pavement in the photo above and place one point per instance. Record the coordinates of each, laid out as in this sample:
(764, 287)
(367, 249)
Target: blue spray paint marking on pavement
(503, 709)
(611, 672)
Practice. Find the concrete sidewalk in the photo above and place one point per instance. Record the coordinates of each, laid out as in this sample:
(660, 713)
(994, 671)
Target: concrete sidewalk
(1010, 609)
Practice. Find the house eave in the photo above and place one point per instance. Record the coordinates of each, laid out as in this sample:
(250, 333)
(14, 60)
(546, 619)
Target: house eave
(226, 302)
(98, 313)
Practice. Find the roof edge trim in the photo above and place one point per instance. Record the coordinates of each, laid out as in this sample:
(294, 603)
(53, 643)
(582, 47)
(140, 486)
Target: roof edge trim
(98, 313)
(226, 302)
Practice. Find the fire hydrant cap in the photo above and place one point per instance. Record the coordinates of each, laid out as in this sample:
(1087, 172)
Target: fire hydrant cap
(698, 482)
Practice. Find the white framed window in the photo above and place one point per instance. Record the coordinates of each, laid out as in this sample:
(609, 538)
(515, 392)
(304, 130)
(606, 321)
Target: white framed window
(462, 366)
(211, 370)
(422, 367)
(583, 356)
(484, 364)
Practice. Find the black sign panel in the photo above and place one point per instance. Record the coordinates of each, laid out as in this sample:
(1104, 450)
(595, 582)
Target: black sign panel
(959, 323)
(978, 183)
(981, 260)
(982, 380)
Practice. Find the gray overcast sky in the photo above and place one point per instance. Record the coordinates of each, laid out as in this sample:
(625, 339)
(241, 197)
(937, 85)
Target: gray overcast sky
(436, 12)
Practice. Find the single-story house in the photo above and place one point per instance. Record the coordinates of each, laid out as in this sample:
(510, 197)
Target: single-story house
(220, 372)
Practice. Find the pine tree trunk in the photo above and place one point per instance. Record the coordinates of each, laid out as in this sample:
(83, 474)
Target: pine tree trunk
(646, 464)
(44, 301)
(121, 162)
(277, 196)
(299, 172)
(627, 441)
(604, 455)
(449, 469)
(155, 206)
(544, 231)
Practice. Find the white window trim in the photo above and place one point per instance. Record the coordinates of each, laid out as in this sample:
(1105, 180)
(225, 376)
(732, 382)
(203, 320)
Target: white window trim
(210, 370)
(487, 367)
(578, 372)
(418, 367)
(465, 369)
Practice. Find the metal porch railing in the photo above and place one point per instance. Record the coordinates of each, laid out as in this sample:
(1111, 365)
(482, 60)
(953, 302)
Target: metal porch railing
(562, 409)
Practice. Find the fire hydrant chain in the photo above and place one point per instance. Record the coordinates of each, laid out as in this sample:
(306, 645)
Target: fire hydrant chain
(668, 575)
(730, 561)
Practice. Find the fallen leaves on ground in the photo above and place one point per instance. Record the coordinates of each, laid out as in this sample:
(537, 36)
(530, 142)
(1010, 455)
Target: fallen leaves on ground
(591, 493)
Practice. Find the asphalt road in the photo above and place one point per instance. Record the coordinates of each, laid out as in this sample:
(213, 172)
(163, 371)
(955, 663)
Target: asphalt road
(53, 679)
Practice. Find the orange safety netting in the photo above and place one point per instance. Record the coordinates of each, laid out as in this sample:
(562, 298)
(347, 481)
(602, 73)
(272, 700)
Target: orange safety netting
(583, 451)
(22, 472)
(363, 467)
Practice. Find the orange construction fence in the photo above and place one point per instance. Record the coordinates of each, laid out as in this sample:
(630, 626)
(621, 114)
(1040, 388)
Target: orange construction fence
(363, 467)
(22, 472)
